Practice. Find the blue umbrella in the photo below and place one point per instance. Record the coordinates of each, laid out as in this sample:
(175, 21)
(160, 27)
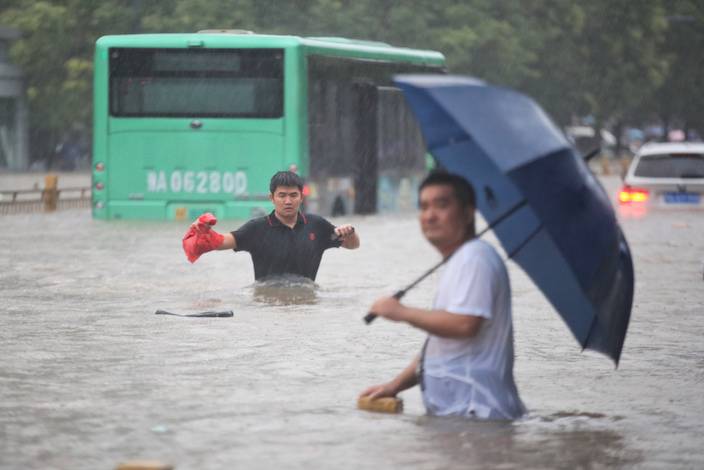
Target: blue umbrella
(545, 206)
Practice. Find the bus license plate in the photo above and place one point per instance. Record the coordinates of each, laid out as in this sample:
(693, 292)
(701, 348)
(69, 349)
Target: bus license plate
(682, 198)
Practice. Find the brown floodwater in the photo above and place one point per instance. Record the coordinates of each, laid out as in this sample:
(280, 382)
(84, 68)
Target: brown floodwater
(90, 376)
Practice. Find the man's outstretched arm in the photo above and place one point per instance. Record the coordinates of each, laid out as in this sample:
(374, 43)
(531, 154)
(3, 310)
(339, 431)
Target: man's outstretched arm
(348, 235)
(201, 238)
(435, 322)
(228, 242)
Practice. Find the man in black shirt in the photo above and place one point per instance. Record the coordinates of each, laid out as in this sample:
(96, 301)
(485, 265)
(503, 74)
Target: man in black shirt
(287, 241)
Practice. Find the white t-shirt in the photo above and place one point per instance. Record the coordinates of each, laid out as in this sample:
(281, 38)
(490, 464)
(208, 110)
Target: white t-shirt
(473, 377)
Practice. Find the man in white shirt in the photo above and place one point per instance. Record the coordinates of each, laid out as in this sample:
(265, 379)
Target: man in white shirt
(466, 367)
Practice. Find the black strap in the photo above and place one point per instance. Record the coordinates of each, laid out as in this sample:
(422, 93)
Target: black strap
(421, 365)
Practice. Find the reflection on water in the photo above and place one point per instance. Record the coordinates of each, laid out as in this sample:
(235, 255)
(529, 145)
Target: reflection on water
(287, 289)
(576, 414)
(568, 441)
(630, 211)
(206, 304)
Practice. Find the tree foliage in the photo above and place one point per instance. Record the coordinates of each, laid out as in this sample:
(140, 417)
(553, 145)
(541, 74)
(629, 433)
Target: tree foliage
(622, 62)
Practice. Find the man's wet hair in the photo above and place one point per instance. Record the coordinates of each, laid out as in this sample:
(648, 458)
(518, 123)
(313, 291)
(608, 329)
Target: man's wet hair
(464, 192)
(285, 178)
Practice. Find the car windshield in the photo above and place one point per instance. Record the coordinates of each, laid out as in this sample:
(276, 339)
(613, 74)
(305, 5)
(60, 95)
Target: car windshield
(672, 165)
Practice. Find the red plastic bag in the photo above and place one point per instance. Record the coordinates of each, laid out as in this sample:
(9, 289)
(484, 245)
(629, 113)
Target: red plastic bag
(201, 238)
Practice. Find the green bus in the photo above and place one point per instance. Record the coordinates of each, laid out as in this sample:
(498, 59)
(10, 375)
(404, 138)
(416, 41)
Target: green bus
(187, 123)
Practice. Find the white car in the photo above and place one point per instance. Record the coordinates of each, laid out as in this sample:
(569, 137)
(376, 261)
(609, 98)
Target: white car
(666, 175)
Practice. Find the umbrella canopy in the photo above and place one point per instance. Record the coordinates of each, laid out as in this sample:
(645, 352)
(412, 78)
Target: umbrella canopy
(546, 207)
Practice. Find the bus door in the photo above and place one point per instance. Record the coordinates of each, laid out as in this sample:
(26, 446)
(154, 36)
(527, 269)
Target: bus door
(401, 154)
(365, 143)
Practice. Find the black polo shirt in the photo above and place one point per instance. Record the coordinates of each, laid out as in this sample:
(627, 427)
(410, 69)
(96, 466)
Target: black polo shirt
(279, 249)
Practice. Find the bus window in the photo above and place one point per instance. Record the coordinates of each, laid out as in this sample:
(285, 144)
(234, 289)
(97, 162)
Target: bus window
(400, 141)
(196, 83)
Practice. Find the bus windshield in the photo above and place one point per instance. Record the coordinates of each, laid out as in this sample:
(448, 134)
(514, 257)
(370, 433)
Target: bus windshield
(224, 83)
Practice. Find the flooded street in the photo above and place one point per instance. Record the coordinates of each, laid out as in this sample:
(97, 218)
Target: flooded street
(91, 376)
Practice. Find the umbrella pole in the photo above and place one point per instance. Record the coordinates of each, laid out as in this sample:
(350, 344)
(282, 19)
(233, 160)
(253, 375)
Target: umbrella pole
(369, 317)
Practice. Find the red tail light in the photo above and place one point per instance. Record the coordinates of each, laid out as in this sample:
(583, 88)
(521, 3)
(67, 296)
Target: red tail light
(306, 190)
(633, 194)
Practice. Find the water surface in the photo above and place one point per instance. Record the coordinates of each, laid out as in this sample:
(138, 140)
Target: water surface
(91, 376)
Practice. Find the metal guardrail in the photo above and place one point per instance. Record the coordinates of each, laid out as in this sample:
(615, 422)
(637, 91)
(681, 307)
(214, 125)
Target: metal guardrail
(44, 200)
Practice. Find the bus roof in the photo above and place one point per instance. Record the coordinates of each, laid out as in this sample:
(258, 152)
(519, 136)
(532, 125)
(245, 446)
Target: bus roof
(333, 46)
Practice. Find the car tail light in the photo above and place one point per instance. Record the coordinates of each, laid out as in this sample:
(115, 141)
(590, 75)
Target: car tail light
(306, 190)
(633, 194)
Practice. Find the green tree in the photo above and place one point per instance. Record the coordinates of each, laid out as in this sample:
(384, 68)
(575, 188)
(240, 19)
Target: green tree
(679, 100)
(559, 73)
(55, 53)
(624, 63)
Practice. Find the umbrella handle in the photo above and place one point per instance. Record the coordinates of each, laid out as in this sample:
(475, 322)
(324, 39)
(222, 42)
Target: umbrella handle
(593, 153)
(371, 316)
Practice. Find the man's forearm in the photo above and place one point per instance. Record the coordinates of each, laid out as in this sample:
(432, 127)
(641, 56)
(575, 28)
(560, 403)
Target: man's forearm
(407, 378)
(442, 323)
(228, 242)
